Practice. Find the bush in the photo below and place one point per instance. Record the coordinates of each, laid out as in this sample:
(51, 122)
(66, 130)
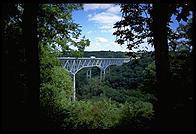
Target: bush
(54, 95)
(136, 115)
(101, 114)
(106, 114)
(149, 79)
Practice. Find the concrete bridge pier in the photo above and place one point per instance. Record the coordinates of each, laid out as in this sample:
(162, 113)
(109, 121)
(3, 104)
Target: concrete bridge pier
(108, 70)
(88, 73)
(74, 94)
(102, 74)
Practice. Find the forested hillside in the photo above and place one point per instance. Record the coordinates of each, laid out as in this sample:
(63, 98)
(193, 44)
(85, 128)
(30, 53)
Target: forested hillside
(119, 79)
(100, 54)
(154, 91)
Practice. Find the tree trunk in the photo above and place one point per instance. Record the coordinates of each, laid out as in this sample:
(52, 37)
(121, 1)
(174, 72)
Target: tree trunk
(31, 66)
(20, 73)
(160, 16)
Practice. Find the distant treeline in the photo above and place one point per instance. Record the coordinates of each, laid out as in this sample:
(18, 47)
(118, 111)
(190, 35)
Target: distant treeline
(108, 54)
(100, 54)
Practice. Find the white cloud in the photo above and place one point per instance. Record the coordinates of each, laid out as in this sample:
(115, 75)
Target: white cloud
(114, 9)
(105, 27)
(96, 6)
(104, 31)
(110, 7)
(105, 21)
(111, 30)
(106, 46)
(90, 15)
(116, 47)
(89, 32)
(107, 18)
(101, 39)
(95, 46)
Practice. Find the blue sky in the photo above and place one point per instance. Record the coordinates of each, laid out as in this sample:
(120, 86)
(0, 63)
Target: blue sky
(97, 22)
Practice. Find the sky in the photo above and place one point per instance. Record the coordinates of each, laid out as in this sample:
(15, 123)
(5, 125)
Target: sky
(97, 21)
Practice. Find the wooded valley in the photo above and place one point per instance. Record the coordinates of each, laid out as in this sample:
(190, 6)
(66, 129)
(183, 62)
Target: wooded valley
(152, 92)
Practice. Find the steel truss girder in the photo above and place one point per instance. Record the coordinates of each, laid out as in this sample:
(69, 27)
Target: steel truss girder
(73, 65)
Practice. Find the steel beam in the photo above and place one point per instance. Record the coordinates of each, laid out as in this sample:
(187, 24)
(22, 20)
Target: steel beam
(73, 65)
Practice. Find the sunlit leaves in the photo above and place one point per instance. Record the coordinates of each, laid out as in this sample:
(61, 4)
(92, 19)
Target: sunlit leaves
(55, 24)
(182, 38)
(138, 24)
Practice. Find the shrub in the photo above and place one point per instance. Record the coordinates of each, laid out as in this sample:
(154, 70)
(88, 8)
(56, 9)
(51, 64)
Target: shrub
(101, 114)
(136, 115)
(54, 95)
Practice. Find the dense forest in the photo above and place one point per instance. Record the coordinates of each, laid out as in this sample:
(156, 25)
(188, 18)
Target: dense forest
(152, 92)
(118, 78)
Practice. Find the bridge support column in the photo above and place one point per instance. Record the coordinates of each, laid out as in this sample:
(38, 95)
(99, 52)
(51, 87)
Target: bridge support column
(88, 73)
(108, 70)
(100, 75)
(74, 93)
(103, 74)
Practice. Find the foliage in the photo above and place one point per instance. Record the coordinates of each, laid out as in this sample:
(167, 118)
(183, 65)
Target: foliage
(127, 76)
(133, 28)
(121, 82)
(137, 95)
(93, 115)
(182, 75)
(119, 102)
(101, 54)
(104, 114)
(55, 93)
(136, 115)
(181, 67)
(47, 62)
(149, 79)
(182, 39)
(57, 29)
(56, 32)
(12, 30)
(137, 22)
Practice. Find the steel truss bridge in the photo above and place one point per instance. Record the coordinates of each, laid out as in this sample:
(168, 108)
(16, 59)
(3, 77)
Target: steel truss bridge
(73, 65)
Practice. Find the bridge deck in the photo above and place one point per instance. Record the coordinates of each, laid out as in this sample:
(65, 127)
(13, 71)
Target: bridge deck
(73, 65)
(85, 58)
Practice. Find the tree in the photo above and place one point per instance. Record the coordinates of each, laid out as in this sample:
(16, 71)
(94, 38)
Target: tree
(30, 64)
(138, 27)
(57, 30)
(12, 61)
(182, 39)
(149, 79)
(24, 26)
(181, 69)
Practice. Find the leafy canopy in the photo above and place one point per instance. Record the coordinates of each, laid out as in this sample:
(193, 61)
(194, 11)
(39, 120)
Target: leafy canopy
(57, 29)
(135, 27)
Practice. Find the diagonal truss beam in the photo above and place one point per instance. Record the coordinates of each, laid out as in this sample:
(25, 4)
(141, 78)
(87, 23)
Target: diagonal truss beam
(73, 65)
